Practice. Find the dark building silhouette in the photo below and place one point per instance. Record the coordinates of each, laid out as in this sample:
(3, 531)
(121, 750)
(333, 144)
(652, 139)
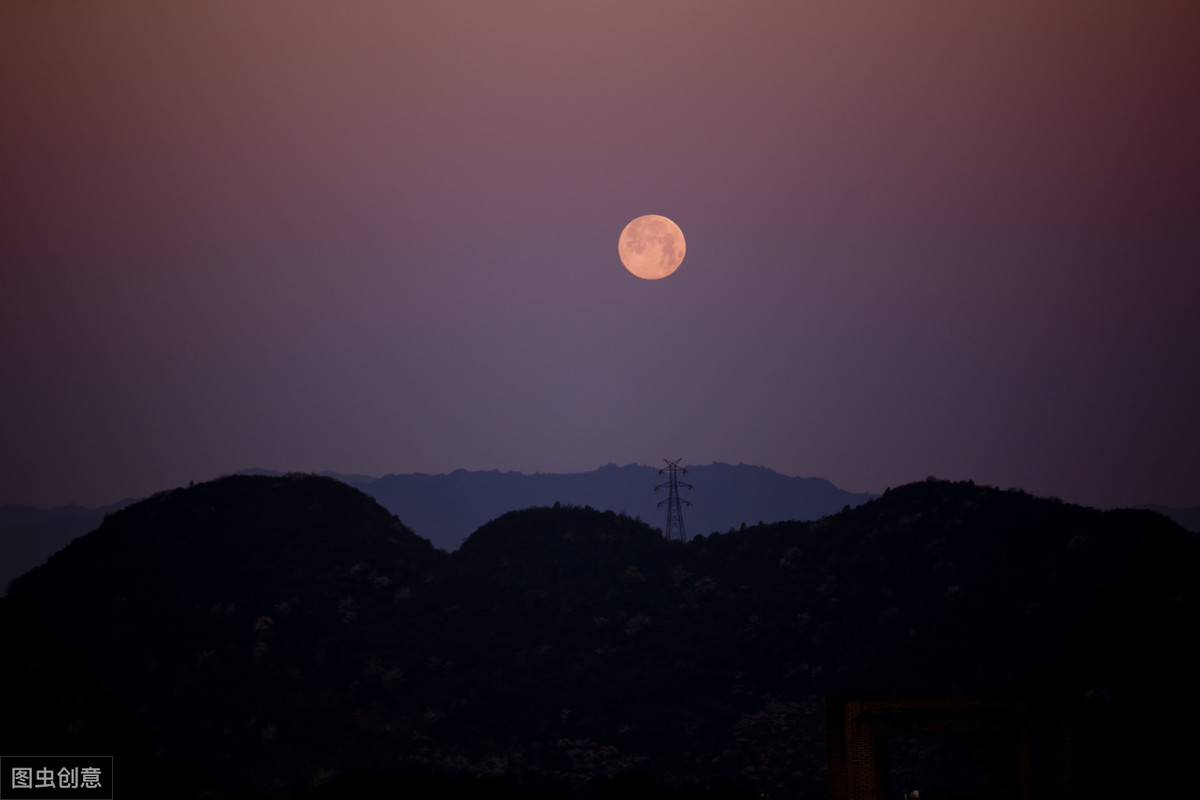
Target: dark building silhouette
(859, 728)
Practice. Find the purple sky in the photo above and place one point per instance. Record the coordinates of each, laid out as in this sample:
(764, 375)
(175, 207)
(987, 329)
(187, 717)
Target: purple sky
(959, 239)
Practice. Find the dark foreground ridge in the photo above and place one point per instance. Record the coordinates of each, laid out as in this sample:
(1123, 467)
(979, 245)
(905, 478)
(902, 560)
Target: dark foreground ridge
(287, 636)
(446, 509)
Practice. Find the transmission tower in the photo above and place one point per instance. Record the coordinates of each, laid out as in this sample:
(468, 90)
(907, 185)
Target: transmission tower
(674, 529)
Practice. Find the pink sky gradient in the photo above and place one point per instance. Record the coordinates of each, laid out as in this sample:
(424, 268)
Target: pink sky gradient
(942, 238)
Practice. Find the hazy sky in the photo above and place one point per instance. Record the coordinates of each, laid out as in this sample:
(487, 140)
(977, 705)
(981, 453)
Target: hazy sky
(948, 238)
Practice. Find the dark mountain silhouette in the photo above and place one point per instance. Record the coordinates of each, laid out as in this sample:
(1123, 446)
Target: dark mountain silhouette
(209, 615)
(446, 508)
(285, 634)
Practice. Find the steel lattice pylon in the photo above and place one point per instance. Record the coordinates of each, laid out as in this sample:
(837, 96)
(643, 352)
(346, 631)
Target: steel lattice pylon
(674, 530)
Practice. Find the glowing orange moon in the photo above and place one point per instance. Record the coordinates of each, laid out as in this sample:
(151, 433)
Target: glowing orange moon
(651, 247)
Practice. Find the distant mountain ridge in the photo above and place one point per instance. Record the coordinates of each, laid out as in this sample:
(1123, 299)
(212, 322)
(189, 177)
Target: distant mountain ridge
(447, 508)
(1188, 518)
(28, 536)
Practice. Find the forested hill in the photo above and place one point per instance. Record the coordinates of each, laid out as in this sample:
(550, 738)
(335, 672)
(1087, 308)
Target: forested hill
(280, 634)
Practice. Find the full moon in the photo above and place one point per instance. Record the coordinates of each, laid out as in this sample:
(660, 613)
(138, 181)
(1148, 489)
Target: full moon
(651, 247)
